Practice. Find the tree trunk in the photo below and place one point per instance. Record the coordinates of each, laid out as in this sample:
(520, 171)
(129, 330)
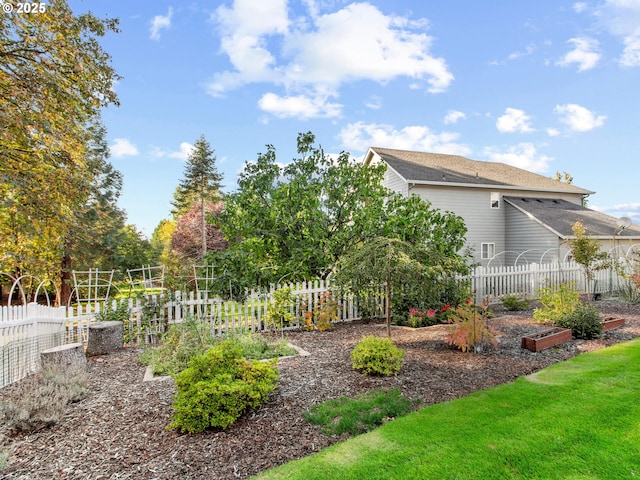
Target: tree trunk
(204, 228)
(64, 290)
(388, 305)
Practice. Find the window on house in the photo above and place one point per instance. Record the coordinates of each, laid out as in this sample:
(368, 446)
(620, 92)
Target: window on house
(488, 250)
(495, 200)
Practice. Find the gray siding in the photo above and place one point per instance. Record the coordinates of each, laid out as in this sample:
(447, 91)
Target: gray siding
(501, 226)
(484, 224)
(525, 234)
(395, 182)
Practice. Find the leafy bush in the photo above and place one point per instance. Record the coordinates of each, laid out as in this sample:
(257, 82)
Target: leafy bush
(557, 302)
(377, 356)
(358, 415)
(179, 345)
(110, 314)
(418, 318)
(255, 347)
(630, 291)
(471, 331)
(279, 314)
(39, 400)
(514, 303)
(218, 387)
(584, 321)
(323, 315)
(187, 340)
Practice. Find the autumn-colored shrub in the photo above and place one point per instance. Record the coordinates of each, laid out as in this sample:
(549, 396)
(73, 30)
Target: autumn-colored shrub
(470, 331)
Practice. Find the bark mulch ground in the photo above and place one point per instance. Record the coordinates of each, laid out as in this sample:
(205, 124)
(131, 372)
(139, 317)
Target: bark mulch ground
(118, 430)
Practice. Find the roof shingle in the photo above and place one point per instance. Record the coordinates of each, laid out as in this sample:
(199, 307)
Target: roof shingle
(438, 168)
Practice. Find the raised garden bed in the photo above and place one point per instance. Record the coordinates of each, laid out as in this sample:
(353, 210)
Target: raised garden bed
(611, 322)
(546, 339)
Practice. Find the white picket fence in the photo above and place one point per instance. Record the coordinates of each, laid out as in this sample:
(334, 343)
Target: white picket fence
(526, 280)
(27, 330)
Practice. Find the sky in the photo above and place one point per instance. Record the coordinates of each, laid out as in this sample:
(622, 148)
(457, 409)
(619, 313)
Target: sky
(545, 85)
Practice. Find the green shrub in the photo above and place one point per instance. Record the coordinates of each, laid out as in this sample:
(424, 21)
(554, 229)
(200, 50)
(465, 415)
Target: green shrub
(279, 311)
(255, 347)
(584, 322)
(377, 356)
(358, 415)
(39, 401)
(218, 387)
(556, 302)
(630, 291)
(514, 303)
(179, 345)
(185, 341)
(118, 314)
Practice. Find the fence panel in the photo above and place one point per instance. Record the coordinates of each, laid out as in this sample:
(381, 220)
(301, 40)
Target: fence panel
(27, 330)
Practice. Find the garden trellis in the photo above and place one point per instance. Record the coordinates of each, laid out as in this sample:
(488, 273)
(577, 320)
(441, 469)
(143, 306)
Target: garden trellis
(27, 329)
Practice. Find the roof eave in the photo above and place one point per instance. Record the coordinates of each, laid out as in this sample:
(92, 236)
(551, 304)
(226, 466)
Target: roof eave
(494, 187)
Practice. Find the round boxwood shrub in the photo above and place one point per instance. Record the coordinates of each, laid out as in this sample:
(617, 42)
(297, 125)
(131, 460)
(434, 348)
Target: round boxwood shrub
(218, 387)
(377, 356)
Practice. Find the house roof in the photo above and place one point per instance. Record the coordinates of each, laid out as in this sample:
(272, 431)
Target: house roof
(442, 169)
(560, 215)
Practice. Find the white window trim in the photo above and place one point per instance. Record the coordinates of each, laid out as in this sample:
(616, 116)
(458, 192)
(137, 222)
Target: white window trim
(491, 248)
(495, 198)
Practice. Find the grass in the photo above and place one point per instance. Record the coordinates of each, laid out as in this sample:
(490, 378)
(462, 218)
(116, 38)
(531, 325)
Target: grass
(578, 419)
(359, 415)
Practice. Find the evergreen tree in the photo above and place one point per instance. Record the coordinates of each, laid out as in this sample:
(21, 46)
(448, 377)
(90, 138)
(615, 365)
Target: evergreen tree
(200, 184)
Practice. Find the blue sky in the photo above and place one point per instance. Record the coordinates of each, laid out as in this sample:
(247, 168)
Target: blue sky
(544, 85)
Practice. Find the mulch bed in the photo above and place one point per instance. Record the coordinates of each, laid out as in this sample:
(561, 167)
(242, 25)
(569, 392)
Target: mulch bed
(118, 430)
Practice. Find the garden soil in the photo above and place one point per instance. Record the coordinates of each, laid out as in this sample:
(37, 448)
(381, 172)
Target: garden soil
(119, 430)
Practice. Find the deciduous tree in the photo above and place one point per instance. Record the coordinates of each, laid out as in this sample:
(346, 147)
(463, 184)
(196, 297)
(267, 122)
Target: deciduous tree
(54, 78)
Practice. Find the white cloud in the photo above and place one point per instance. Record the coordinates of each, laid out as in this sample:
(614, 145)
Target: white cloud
(453, 116)
(523, 155)
(320, 52)
(374, 103)
(553, 132)
(360, 136)
(122, 147)
(631, 210)
(299, 106)
(514, 121)
(529, 49)
(182, 153)
(622, 19)
(160, 22)
(579, 7)
(585, 54)
(578, 118)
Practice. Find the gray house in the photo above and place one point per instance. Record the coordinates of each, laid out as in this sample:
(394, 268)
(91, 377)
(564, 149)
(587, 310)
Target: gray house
(513, 216)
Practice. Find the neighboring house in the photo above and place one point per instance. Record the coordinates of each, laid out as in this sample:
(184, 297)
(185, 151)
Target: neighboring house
(512, 216)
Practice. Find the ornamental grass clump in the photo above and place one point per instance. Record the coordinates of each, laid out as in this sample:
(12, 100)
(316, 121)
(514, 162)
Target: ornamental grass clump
(218, 387)
(377, 356)
(360, 414)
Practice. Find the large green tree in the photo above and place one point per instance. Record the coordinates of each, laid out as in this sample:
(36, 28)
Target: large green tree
(54, 78)
(295, 222)
(200, 185)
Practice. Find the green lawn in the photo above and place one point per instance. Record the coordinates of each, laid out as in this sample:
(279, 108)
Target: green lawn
(579, 419)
